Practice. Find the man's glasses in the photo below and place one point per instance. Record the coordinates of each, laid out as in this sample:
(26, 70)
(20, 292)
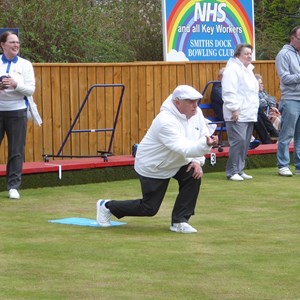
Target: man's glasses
(297, 37)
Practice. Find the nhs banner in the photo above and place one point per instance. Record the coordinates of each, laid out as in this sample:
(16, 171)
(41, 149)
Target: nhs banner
(206, 30)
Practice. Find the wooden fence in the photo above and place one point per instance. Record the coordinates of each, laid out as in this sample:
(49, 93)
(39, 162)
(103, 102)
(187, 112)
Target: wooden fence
(61, 89)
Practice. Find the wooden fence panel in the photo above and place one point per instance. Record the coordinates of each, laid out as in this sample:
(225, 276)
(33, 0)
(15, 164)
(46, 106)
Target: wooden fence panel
(37, 135)
(61, 89)
(173, 78)
(74, 108)
(142, 114)
(109, 105)
(149, 94)
(56, 107)
(83, 120)
(120, 129)
(100, 108)
(65, 107)
(91, 104)
(165, 84)
(157, 87)
(131, 102)
(127, 112)
(46, 98)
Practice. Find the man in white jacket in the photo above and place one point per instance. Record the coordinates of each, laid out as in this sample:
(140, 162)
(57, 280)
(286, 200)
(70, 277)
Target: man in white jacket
(173, 147)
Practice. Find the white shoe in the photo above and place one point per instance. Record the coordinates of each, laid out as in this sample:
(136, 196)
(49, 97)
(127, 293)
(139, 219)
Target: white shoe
(103, 213)
(245, 176)
(182, 227)
(13, 194)
(236, 177)
(285, 171)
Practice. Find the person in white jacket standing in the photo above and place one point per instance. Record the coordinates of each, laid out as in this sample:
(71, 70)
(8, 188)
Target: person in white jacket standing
(241, 102)
(173, 147)
(17, 82)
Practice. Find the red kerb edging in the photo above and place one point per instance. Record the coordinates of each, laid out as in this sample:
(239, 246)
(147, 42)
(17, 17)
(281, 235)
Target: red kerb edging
(114, 161)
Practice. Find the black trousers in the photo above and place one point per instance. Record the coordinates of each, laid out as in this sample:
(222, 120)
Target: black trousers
(154, 190)
(14, 125)
(264, 128)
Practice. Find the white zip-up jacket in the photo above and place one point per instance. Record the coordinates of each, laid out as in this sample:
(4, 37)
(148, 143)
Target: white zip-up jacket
(240, 91)
(171, 142)
(22, 72)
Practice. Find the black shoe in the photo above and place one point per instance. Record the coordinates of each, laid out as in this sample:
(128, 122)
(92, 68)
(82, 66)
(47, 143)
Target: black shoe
(254, 144)
(274, 134)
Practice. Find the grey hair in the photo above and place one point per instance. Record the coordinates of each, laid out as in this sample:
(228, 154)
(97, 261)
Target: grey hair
(240, 47)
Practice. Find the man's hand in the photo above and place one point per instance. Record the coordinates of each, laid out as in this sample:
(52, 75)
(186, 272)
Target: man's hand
(2, 86)
(212, 140)
(197, 170)
(275, 110)
(235, 116)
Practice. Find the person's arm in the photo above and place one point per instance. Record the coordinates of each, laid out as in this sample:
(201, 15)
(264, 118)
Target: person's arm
(272, 102)
(216, 94)
(283, 66)
(27, 87)
(197, 169)
(171, 136)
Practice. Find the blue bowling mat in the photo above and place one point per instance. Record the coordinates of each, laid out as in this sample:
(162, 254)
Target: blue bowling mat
(84, 222)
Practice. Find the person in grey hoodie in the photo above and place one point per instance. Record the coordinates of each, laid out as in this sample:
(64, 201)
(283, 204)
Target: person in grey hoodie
(288, 68)
(173, 147)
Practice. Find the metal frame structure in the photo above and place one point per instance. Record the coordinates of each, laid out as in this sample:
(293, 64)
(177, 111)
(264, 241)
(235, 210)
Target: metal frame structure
(102, 153)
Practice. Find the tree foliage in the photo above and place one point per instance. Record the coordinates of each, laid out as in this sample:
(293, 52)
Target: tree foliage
(63, 31)
(273, 21)
(140, 24)
(120, 30)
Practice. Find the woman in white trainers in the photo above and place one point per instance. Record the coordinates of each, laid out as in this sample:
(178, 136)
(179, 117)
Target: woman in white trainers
(17, 81)
(241, 102)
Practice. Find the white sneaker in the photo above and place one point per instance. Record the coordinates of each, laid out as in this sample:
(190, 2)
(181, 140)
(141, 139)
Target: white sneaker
(245, 176)
(182, 227)
(236, 177)
(103, 213)
(13, 194)
(285, 171)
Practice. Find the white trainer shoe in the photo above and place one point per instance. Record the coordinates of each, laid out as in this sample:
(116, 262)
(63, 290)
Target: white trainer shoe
(103, 213)
(285, 171)
(245, 176)
(182, 227)
(236, 177)
(13, 194)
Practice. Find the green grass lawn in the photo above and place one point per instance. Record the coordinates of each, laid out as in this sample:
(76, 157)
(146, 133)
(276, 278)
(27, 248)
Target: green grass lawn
(247, 245)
